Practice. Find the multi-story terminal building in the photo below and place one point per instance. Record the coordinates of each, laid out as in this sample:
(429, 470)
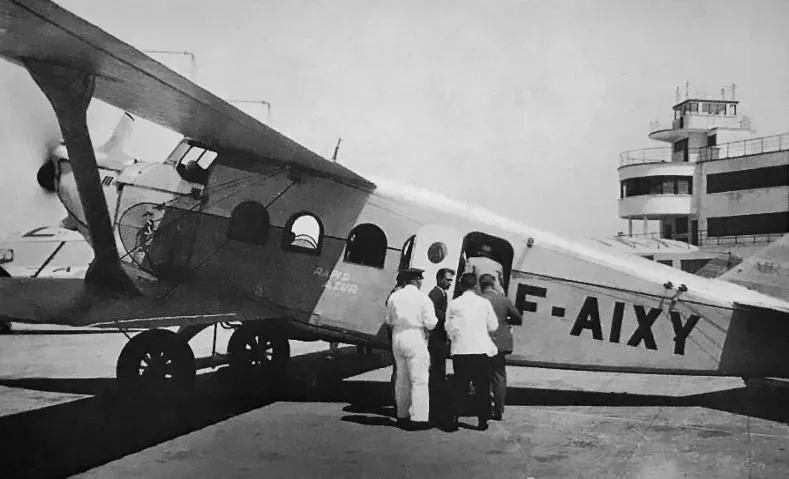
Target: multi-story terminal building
(716, 187)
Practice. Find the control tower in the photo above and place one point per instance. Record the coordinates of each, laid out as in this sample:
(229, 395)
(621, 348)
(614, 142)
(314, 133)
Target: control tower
(716, 186)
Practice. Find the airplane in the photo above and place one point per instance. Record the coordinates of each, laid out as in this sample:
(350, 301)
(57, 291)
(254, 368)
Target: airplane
(244, 227)
(767, 270)
(58, 251)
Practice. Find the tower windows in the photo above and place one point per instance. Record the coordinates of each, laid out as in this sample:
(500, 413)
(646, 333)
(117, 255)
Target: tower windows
(657, 185)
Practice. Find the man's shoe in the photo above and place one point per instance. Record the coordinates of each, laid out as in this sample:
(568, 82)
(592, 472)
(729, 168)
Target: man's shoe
(482, 425)
(403, 422)
(420, 426)
(450, 425)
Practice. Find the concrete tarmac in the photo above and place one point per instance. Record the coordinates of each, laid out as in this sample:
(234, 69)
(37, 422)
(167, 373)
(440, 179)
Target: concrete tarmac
(60, 415)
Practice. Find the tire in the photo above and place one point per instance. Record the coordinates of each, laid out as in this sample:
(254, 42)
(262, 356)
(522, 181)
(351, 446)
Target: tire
(258, 350)
(156, 358)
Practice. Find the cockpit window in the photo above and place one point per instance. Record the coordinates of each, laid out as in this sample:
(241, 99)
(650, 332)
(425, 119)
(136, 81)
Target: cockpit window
(206, 159)
(194, 164)
(192, 155)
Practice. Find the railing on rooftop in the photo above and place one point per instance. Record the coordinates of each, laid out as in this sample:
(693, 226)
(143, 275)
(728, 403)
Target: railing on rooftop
(705, 240)
(699, 121)
(753, 146)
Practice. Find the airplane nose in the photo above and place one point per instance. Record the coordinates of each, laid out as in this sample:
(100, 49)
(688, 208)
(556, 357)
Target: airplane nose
(46, 176)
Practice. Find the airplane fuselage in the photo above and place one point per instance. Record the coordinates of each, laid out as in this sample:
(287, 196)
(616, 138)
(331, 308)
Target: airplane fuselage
(324, 255)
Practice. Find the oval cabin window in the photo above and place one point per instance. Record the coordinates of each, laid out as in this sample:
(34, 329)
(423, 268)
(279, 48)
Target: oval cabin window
(366, 245)
(304, 234)
(249, 223)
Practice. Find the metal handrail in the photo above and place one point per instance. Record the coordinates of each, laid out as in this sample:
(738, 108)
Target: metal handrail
(734, 149)
(723, 240)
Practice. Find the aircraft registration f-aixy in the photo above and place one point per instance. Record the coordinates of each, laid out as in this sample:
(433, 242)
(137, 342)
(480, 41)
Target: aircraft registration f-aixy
(242, 225)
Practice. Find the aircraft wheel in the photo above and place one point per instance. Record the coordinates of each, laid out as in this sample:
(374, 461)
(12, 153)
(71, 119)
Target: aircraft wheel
(156, 358)
(258, 350)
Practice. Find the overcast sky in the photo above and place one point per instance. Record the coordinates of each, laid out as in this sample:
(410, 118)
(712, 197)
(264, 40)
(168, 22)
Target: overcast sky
(520, 106)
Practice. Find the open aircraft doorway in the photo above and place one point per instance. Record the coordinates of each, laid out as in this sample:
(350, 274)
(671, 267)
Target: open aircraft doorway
(478, 244)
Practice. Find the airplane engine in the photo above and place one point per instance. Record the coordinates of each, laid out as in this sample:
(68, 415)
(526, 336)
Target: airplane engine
(57, 175)
(46, 176)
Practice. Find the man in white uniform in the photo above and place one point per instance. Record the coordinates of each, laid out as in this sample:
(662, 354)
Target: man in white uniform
(410, 314)
(470, 320)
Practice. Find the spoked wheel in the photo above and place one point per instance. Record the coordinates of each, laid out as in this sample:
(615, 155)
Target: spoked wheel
(156, 358)
(258, 350)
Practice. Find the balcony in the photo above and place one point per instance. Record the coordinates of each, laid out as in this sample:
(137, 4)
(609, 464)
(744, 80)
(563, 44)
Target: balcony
(682, 126)
(696, 121)
(703, 239)
(654, 207)
(753, 146)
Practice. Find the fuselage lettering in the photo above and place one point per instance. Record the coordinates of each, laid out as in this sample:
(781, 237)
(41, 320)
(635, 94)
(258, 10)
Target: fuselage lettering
(525, 290)
(644, 330)
(107, 180)
(589, 318)
(681, 332)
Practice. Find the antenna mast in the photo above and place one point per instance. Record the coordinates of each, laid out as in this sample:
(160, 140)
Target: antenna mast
(336, 149)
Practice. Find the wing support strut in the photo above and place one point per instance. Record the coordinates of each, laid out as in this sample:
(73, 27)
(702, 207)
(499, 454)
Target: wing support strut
(70, 92)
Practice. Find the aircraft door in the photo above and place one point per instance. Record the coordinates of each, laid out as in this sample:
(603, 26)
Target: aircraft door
(435, 247)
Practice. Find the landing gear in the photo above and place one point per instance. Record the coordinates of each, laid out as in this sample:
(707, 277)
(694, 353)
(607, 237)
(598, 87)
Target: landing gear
(258, 349)
(156, 358)
(363, 350)
(5, 327)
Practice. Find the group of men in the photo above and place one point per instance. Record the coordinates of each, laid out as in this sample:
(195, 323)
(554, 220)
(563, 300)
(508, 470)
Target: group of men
(473, 329)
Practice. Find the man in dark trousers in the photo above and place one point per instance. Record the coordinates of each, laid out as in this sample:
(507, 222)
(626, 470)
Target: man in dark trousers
(470, 320)
(507, 314)
(438, 344)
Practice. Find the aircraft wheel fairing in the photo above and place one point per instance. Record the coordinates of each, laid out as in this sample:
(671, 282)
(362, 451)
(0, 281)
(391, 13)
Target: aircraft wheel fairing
(157, 358)
(256, 349)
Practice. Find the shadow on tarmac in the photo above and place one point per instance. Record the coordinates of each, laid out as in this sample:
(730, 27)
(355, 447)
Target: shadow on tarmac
(73, 437)
(68, 438)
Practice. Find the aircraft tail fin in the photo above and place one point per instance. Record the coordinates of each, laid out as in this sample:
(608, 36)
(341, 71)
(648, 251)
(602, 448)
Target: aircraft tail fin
(766, 271)
(120, 136)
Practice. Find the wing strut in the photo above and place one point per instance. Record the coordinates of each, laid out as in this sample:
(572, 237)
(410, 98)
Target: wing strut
(70, 92)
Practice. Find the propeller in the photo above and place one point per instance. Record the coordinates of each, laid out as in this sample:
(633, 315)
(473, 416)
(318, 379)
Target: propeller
(30, 138)
(28, 133)
(111, 153)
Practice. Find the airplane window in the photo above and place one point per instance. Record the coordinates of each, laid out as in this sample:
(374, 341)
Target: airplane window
(304, 234)
(437, 252)
(366, 245)
(192, 155)
(206, 159)
(195, 163)
(249, 223)
(177, 153)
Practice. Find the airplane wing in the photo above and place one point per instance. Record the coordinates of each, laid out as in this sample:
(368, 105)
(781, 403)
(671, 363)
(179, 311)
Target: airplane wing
(766, 271)
(132, 81)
